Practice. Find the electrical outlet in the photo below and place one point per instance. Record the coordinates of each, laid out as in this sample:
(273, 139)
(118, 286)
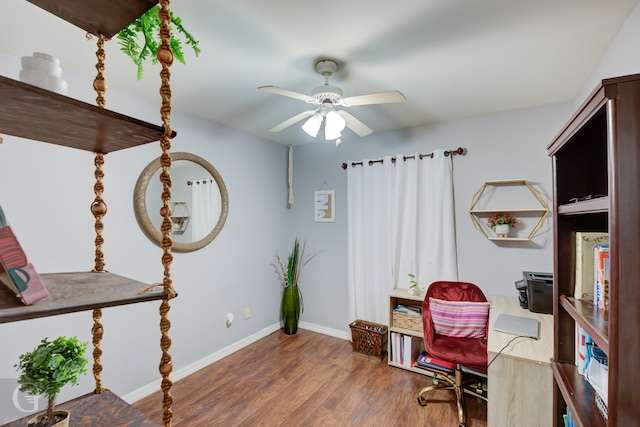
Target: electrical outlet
(247, 313)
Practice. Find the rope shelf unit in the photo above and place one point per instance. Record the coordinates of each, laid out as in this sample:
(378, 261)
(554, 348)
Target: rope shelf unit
(34, 113)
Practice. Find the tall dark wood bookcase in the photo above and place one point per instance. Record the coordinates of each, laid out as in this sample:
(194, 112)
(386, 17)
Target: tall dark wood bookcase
(597, 153)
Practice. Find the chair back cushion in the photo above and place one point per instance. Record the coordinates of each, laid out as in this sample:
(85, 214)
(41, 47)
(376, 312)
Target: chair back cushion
(464, 319)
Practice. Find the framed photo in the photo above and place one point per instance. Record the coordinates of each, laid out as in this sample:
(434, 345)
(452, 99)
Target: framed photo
(324, 206)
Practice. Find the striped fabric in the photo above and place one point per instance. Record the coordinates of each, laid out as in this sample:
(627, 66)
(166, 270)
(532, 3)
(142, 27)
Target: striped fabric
(463, 319)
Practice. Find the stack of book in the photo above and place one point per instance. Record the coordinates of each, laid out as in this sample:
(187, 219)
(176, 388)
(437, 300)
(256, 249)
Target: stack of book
(593, 364)
(404, 348)
(426, 361)
(592, 268)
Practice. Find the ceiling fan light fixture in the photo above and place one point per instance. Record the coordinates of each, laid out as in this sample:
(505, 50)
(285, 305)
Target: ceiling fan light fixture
(333, 125)
(312, 126)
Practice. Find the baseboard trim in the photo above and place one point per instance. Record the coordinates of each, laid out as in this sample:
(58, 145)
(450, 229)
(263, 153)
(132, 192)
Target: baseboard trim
(151, 388)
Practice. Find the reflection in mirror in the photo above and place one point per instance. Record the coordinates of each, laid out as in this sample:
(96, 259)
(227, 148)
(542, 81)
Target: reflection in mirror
(199, 202)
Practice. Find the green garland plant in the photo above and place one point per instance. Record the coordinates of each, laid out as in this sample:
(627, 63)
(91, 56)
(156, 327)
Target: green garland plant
(146, 29)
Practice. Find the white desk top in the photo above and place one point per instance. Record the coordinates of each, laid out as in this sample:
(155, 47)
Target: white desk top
(540, 350)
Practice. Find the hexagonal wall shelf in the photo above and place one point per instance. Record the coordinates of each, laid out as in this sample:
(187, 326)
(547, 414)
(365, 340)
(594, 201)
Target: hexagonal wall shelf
(543, 211)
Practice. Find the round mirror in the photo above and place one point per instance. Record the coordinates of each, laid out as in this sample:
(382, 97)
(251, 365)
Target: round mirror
(199, 202)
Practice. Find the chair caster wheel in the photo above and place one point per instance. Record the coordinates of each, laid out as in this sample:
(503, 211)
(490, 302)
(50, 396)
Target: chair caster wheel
(422, 401)
(463, 425)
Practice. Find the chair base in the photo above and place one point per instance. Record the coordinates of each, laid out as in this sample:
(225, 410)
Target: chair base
(458, 386)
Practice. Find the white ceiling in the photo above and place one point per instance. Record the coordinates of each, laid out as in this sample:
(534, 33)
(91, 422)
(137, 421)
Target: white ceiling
(450, 58)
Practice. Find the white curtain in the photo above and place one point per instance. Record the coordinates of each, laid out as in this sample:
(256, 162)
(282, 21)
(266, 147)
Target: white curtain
(369, 191)
(205, 207)
(401, 220)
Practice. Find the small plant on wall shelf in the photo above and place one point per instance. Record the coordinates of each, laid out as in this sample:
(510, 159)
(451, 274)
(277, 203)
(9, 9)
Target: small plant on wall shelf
(146, 29)
(501, 218)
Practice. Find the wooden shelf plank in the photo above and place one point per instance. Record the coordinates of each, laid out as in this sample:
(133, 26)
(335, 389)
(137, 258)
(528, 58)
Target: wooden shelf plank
(595, 322)
(30, 112)
(491, 211)
(98, 410)
(578, 395)
(73, 292)
(405, 331)
(106, 17)
(510, 239)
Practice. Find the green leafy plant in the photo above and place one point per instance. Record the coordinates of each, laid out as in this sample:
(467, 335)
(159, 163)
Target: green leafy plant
(146, 29)
(414, 287)
(49, 367)
(292, 304)
(501, 218)
(413, 281)
(296, 259)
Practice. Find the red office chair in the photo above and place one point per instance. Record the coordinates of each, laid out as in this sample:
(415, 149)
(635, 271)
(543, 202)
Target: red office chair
(455, 321)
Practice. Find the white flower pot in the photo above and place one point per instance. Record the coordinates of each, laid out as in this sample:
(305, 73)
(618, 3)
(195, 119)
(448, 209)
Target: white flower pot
(502, 230)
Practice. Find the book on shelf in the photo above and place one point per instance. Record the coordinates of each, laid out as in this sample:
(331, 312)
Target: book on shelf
(425, 360)
(583, 341)
(16, 272)
(404, 349)
(584, 279)
(601, 291)
(431, 369)
(410, 349)
(412, 310)
(597, 374)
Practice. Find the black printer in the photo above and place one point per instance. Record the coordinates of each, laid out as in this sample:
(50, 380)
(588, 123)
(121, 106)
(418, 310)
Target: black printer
(535, 292)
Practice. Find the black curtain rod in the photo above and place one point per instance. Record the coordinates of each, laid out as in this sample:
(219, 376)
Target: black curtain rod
(458, 151)
(203, 181)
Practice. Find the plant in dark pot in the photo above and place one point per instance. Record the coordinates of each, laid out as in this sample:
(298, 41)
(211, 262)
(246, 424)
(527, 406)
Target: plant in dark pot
(292, 304)
(48, 368)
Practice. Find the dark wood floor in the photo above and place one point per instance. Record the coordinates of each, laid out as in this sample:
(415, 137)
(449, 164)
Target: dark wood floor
(307, 379)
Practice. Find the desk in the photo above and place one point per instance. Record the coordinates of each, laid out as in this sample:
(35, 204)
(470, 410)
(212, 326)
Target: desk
(519, 380)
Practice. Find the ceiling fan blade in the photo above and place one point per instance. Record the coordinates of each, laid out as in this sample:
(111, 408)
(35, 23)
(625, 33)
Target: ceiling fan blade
(374, 98)
(287, 92)
(293, 120)
(354, 124)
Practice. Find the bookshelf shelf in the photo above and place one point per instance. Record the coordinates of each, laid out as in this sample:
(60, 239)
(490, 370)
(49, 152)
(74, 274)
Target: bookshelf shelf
(98, 410)
(573, 384)
(594, 322)
(73, 292)
(403, 297)
(596, 160)
(33, 113)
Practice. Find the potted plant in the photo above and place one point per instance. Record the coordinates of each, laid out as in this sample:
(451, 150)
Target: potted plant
(147, 29)
(501, 222)
(414, 289)
(48, 368)
(292, 296)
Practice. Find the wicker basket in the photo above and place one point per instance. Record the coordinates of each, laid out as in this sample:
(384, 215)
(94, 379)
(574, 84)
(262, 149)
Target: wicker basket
(407, 321)
(369, 338)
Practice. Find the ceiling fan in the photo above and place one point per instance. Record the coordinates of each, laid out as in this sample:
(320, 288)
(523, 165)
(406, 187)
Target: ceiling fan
(326, 97)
